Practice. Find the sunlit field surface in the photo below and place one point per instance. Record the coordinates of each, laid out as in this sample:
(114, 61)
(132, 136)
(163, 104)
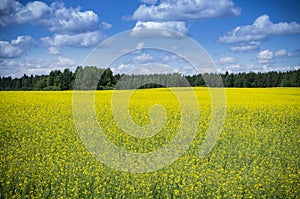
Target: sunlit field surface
(257, 154)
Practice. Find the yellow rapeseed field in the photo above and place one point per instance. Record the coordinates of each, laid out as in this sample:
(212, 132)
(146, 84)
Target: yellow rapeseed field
(257, 154)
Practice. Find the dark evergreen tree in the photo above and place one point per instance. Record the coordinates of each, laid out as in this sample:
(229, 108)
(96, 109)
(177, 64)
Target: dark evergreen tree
(91, 77)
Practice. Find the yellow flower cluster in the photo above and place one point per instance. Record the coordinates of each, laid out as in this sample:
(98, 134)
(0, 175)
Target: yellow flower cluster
(257, 154)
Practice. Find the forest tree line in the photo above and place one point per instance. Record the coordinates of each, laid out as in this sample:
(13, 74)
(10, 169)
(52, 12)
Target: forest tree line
(64, 80)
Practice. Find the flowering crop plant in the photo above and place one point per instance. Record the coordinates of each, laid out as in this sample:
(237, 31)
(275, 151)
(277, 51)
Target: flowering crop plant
(257, 154)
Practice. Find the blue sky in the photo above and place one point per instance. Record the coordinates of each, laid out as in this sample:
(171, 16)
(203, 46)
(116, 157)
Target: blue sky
(240, 36)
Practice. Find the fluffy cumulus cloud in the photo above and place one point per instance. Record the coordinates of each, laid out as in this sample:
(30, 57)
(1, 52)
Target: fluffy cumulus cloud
(73, 27)
(249, 37)
(173, 14)
(285, 53)
(70, 26)
(12, 11)
(15, 47)
(265, 57)
(32, 11)
(56, 17)
(173, 25)
(174, 10)
(8, 7)
(85, 39)
(69, 20)
(158, 29)
(63, 62)
(122, 68)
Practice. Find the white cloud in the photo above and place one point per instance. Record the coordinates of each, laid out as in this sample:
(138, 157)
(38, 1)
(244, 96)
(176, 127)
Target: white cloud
(173, 25)
(243, 48)
(226, 60)
(152, 29)
(249, 37)
(149, 1)
(143, 58)
(105, 26)
(233, 67)
(253, 45)
(86, 39)
(57, 18)
(173, 14)
(18, 67)
(265, 57)
(122, 68)
(174, 10)
(40, 66)
(265, 54)
(53, 51)
(236, 68)
(280, 53)
(267, 68)
(8, 6)
(265, 61)
(8, 9)
(71, 26)
(69, 20)
(153, 69)
(16, 47)
(64, 62)
(32, 11)
(284, 53)
(149, 68)
(14, 12)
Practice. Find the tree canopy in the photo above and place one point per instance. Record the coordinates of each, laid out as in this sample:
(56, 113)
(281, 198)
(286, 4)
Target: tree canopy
(64, 80)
